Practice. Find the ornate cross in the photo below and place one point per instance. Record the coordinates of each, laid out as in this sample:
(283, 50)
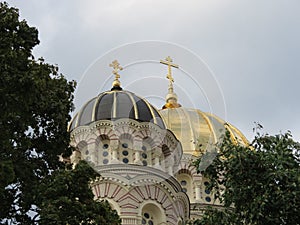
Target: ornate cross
(171, 98)
(116, 66)
(169, 63)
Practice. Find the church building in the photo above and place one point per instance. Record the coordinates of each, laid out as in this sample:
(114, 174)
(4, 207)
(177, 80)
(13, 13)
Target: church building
(145, 155)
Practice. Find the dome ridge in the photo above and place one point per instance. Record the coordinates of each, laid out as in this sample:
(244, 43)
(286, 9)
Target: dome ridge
(116, 104)
(199, 131)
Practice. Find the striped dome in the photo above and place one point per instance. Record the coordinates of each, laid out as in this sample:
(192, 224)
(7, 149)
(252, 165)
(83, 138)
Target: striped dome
(116, 104)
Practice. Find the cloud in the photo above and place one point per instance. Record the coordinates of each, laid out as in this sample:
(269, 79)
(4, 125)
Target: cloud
(252, 46)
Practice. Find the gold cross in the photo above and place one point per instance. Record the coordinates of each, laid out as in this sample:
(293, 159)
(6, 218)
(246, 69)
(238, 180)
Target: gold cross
(116, 66)
(169, 63)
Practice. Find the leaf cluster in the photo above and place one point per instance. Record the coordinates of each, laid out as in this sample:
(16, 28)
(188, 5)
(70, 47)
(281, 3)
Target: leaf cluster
(66, 198)
(257, 184)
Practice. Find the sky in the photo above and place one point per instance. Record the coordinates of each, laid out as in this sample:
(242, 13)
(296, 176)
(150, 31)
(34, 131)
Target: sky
(242, 55)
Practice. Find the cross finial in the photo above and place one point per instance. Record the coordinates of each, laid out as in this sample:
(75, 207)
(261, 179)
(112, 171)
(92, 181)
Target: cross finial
(169, 63)
(171, 98)
(116, 68)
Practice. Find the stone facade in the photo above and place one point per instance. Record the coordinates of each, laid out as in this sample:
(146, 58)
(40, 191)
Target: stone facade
(144, 156)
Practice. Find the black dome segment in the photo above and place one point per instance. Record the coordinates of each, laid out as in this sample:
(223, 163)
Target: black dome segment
(125, 106)
(105, 111)
(116, 104)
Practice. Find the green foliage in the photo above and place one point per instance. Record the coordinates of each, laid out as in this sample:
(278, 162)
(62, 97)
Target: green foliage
(258, 184)
(66, 198)
(35, 102)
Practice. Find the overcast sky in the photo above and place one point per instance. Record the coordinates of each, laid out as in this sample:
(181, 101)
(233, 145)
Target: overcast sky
(252, 48)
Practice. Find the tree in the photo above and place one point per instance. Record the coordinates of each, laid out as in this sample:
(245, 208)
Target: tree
(35, 102)
(258, 184)
(68, 199)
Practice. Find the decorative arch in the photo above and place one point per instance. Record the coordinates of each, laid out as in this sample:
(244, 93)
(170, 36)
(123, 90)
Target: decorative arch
(86, 152)
(186, 182)
(131, 187)
(165, 150)
(105, 128)
(147, 131)
(105, 140)
(187, 171)
(188, 168)
(152, 213)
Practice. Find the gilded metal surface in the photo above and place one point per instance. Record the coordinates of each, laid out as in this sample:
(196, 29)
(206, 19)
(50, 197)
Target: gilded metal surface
(198, 131)
(169, 63)
(115, 105)
(116, 68)
(171, 98)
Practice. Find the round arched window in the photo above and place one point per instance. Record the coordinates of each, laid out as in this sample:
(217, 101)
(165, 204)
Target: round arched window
(208, 199)
(144, 155)
(125, 145)
(147, 219)
(183, 183)
(153, 214)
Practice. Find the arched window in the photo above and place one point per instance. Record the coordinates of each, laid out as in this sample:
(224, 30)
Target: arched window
(152, 214)
(186, 183)
(147, 151)
(103, 149)
(126, 148)
(206, 193)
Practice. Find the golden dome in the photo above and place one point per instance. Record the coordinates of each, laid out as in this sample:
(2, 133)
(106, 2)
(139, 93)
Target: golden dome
(198, 131)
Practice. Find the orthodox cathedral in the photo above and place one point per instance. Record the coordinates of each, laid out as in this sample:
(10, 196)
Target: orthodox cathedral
(145, 155)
